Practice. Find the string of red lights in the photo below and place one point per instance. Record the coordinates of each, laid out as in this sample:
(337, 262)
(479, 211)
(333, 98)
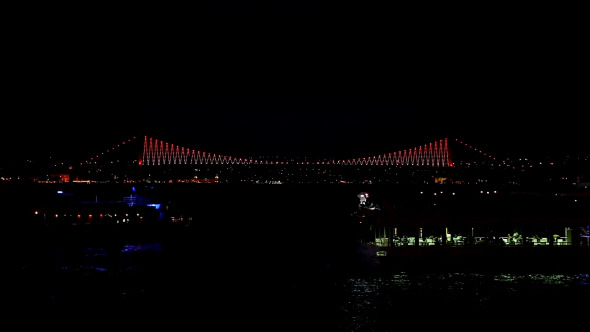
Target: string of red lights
(158, 152)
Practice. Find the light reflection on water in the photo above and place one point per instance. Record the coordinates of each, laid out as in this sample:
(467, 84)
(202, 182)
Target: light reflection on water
(140, 275)
(379, 303)
(366, 286)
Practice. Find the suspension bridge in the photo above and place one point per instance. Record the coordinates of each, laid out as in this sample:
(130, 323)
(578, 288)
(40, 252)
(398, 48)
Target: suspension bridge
(157, 152)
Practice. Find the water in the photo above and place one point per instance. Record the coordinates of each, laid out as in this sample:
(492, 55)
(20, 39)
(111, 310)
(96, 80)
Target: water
(143, 279)
(264, 259)
(147, 282)
(375, 302)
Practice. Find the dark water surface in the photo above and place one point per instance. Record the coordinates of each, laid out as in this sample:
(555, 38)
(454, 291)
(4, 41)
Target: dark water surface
(265, 258)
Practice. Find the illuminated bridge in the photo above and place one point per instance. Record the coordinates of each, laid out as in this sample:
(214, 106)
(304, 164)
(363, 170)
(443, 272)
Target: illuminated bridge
(439, 153)
(156, 152)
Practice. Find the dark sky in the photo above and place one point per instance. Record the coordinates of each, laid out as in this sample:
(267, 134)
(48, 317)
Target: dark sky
(348, 79)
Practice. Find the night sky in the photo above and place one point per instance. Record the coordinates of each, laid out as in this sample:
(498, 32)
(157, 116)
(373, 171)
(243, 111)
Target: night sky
(340, 80)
